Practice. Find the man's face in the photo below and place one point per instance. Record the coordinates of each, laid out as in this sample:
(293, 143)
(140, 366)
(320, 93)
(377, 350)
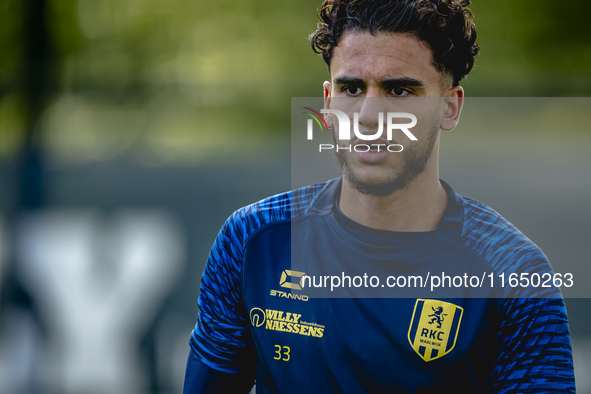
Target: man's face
(389, 72)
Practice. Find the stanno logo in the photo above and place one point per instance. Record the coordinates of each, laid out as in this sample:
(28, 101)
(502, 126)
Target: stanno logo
(434, 328)
(293, 296)
(295, 279)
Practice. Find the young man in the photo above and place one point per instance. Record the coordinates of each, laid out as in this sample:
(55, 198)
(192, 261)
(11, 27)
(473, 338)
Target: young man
(389, 215)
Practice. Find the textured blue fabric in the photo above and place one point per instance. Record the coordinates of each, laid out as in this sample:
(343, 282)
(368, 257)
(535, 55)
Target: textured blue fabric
(517, 341)
(200, 378)
(220, 336)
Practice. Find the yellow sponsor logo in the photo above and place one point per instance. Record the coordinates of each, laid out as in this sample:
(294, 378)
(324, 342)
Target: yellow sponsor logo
(285, 322)
(291, 275)
(434, 328)
(257, 317)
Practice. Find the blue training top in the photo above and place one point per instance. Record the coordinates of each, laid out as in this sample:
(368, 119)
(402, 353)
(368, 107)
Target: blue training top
(266, 307)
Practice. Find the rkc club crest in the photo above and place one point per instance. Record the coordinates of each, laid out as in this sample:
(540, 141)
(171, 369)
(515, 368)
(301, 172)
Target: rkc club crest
(434, 328)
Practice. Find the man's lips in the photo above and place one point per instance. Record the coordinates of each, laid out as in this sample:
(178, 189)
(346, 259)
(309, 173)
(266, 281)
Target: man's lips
(377, 155)
(379, 141)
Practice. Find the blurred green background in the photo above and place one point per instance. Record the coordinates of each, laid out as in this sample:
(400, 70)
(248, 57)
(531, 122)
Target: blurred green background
(116, 109)
(167, 83)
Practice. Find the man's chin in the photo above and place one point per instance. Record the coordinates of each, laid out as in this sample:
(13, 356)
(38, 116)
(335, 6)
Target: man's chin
(375, 186)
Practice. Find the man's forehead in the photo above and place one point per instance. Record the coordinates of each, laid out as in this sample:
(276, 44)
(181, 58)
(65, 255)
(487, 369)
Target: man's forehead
(381, 56)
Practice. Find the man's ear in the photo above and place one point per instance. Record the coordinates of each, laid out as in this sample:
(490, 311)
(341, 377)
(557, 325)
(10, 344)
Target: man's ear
(327, 97)
(454, 100)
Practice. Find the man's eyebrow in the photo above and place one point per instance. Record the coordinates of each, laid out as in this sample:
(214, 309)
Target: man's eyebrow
(402, 83)
(345, 80)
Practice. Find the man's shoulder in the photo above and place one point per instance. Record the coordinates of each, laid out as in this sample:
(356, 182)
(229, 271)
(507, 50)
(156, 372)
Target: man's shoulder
(496, 239)
(278, 208)
(483, 224)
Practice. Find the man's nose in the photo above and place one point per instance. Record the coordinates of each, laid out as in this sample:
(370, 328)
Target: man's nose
(369, 113)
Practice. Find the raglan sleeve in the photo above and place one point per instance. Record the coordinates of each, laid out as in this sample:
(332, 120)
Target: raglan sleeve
(534, 347)
(532, 351)
(221, 348)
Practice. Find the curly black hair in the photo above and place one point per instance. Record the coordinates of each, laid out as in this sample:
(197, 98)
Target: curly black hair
(447, 26)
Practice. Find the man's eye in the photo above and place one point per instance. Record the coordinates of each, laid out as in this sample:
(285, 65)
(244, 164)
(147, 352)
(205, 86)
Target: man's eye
(400, 92)
(353, 91)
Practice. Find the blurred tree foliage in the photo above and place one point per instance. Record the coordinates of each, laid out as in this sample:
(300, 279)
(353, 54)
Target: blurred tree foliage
(532, 48)
(183, 81)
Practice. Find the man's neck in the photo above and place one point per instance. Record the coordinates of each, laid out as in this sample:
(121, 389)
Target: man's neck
(417, 207)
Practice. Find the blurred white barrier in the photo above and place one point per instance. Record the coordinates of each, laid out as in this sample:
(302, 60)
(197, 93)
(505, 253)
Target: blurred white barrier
(99, 281)
(582, 360)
